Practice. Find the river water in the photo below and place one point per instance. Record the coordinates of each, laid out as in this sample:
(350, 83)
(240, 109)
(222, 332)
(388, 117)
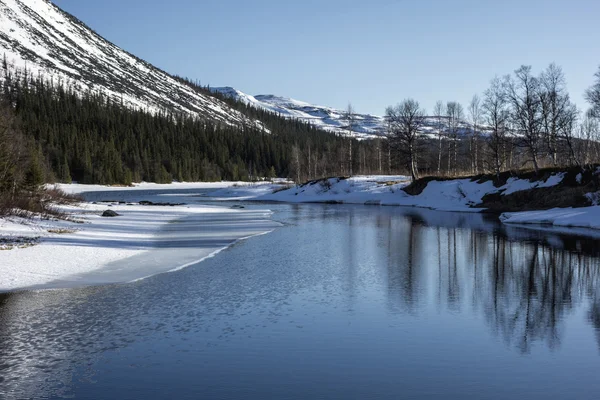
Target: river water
(342, 302)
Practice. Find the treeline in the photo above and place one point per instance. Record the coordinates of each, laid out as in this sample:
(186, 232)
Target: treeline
(521, 121)
(90, 138)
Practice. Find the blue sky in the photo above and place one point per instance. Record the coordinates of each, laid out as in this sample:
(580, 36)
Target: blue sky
(370, 53)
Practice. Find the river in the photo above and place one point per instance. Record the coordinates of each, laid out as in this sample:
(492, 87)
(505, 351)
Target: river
(341, 302)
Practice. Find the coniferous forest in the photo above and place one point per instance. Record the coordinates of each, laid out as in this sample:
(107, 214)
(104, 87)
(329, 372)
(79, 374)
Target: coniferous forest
(89, 138)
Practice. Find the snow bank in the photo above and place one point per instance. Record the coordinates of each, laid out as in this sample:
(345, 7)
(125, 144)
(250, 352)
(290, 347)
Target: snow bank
(451, 195)
(454, 195)
(515, 184)
(77, 188)
(583, 217)
(142, 241)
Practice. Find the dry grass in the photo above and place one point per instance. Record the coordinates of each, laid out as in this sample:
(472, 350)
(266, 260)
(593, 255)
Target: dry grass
(41, 203)
(17, 242)
(389, 183)
(61, 231)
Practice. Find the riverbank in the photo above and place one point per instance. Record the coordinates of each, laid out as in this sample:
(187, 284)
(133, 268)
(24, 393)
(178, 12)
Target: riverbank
(561, 198)
(143, 240)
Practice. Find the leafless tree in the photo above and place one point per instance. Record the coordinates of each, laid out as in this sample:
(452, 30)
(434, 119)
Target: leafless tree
(350, 117)
(405, 121)
(296, 164)
(522, 93)
(567, 130)
(378, 149)
(438, 112)
(590, 133)
(592, 95)
(496, 115)
(475, 115)
(556, 107)
(455, 115)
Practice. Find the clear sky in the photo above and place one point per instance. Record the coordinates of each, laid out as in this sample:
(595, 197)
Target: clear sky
(370, 53)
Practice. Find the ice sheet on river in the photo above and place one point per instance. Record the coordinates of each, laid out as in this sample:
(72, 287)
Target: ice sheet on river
(142, 241)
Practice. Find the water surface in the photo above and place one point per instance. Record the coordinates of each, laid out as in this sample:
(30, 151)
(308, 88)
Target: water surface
(341, 302)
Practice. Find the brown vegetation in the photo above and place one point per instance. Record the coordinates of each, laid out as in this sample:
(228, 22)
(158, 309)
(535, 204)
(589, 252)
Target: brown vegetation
(22, 174)
(571, 192)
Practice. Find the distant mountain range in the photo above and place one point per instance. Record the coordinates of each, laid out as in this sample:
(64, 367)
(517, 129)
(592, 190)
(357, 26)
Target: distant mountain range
(327, 118)
(331, 119)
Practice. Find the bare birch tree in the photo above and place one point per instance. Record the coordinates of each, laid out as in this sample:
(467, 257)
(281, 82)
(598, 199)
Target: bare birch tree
(590, 133)
(455, 115)
(438, 112)
(296, 164)
(555, 104)
(522, 93)
(496, 115)
(475, 115)
(567, 130)
(350, 118)
(592, 95)
(405, 121)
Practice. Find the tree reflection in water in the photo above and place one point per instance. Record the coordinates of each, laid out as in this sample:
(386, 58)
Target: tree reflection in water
(523, 282)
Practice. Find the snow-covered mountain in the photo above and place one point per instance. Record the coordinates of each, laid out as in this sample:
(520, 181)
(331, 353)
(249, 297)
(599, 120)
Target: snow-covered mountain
(330, 119)
(38, 35)
(326, 118)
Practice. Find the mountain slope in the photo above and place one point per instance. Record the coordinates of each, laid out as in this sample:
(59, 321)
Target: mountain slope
(331, 119)
(326, 118)
(38, 35)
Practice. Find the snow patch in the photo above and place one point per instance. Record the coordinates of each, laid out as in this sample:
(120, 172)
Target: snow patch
(584, 217)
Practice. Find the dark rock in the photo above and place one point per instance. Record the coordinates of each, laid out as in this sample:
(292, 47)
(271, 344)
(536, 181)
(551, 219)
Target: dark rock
(150, 203)
(110, 213)
(237, 206)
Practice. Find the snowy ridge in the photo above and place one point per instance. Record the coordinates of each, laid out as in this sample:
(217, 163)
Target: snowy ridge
(331, 119)
(39, 36)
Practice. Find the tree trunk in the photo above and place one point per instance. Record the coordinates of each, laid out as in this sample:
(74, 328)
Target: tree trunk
(439, 167)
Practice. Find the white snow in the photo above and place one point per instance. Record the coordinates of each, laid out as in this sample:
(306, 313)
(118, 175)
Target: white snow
(582, 217)
(515, 184)
(594, 198)
(76, 188)
(142, 241)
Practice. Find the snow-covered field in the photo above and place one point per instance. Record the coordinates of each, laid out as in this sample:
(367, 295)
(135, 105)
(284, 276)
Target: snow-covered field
(142, 241)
